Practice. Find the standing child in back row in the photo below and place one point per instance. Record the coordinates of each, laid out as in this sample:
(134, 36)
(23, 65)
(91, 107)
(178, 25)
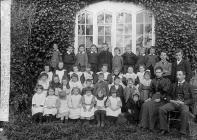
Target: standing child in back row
(69, 59)
(152, 59)
(129, 59)
(117, 60)
(56, 57)
(93, 58)
(105, 57)
(82, 58)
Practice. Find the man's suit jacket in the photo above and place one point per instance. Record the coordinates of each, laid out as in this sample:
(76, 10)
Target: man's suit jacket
(184, 65)
(187, 91)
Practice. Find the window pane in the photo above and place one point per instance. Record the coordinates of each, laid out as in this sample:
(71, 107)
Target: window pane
(100, 19)
(107, 30)
(148, 17)
(81, 30)
(108, 40)
(119, 29)
(139, 41)
(100, 30)
(89, 30)
(89, 41)
(139, 30)
(139, 18)
(128, 29)
(120, 18)
(148, 40)
(119, 41)
(81, 19)
(108, 18)
(148, 28)
(100, 40)
(128, 40)
(81, 40)
(89, 19)
(128, 18)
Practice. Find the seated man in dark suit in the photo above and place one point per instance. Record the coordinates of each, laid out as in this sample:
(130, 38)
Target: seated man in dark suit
(180, 65)
(181, 100)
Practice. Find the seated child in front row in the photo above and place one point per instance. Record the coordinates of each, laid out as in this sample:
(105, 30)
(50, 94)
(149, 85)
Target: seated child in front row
(88, 101)
(50, 105)
(74, 104)
(38, 104)
(134, 105)
(63, 110)
(113, 109)
(100, 110)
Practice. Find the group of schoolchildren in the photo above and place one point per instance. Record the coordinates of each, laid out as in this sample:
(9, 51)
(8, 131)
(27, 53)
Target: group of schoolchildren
(94, 86)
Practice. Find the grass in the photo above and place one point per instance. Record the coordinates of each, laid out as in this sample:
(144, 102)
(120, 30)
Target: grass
(21, 128)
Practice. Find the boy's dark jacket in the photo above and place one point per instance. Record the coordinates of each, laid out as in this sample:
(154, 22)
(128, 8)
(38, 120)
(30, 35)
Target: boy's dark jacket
(69, 58)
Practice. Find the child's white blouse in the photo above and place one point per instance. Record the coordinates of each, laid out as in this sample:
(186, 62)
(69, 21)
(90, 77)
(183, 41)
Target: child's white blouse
(38, 100)
(50, 75)
(45, 84)
(75, 84)
(51, 101)
(105, 74)
(140, 76)
(74, 101)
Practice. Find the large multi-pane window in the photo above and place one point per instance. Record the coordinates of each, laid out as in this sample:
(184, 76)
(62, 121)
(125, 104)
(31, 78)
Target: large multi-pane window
(123, 30)
(104, 25)
(115, 23)
(85, 29)
(144, 30)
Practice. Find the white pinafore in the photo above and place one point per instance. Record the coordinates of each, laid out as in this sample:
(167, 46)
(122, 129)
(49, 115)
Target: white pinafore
(88, 101)
(113, 104)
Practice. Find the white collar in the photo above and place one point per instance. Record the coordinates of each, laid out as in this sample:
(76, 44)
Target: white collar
(142, 55)
(178, 61)
(181, 82)
(116, 86)
(68, 52)
(92, 52)
(152, 54)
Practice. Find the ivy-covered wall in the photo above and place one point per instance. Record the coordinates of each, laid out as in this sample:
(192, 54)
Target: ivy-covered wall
(36, 24)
